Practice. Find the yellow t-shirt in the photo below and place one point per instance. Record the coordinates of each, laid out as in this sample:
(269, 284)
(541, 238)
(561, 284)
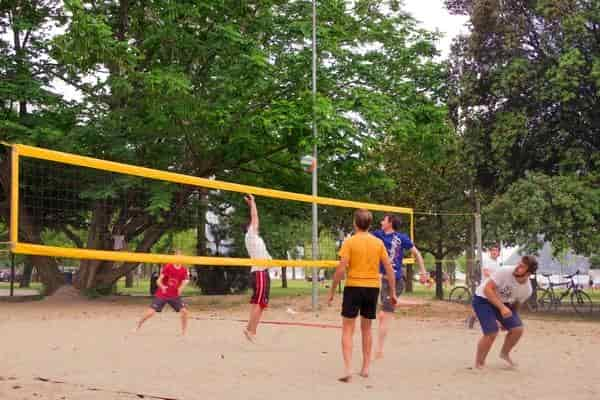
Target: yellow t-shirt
(364, 252)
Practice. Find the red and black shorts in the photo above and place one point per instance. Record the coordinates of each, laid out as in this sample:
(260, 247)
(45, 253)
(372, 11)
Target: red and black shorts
(261, 286)
(175, 302)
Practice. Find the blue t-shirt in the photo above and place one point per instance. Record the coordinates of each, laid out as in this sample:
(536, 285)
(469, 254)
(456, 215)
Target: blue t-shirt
(395, 244)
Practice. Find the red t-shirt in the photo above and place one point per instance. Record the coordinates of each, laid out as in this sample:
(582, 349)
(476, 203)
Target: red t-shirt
(172, 278)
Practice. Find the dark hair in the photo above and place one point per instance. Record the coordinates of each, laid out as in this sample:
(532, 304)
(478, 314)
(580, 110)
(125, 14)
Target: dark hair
(531, 263)
(395, 220)
(363, 219)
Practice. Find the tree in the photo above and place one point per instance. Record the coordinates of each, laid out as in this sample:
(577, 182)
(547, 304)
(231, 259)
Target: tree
(525, 93)
(219, 89)
(435, 187)
(29, 111)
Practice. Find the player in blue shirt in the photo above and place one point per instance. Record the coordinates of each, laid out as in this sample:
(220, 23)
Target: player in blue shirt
(395, 243)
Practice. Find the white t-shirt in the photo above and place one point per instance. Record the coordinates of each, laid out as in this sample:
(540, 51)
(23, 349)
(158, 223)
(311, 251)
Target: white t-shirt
(490, 264)
(509, 290)
(256, 248)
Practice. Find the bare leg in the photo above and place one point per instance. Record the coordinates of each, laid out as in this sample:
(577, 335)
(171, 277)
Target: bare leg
(253, 320)
(384, 322)
(512, 338)
(483, 348)
(347, 334)
(367, 345)
(147, 315)
(184, 320)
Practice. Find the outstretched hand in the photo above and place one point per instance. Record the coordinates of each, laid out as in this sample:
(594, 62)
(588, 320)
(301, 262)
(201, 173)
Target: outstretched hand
(249, 199)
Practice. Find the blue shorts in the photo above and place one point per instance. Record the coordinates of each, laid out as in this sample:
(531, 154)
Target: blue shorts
(489, 316)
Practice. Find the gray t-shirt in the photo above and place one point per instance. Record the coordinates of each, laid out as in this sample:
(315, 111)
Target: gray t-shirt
(508, 288)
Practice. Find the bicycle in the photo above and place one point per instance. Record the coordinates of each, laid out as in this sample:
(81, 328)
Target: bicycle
(462, 294)
(549, 298)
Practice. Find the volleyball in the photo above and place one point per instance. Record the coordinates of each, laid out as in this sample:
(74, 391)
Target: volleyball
(308, 163)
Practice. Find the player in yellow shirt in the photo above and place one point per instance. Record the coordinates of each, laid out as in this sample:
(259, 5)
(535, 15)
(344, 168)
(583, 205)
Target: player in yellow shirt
(360, 257)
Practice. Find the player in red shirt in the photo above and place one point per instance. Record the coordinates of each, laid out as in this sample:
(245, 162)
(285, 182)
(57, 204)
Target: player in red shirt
(173, 278)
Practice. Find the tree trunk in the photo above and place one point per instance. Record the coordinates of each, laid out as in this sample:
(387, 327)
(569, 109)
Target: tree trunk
(409, 278)
(27, 272)
(284, 277)
(129, 279)
(46, 267)
(439, 281)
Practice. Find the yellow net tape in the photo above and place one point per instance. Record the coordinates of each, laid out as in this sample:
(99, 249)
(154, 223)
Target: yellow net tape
(110, 166)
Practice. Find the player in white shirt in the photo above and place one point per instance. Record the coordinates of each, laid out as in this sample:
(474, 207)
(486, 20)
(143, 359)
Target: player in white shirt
(497, 300)
(259, 275)
(490, 263)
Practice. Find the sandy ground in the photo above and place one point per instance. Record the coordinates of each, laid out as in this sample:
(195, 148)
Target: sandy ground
(73, 348)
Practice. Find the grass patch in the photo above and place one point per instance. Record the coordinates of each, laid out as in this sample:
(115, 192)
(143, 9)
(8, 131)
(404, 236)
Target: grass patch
(33, 286)
(296, 288)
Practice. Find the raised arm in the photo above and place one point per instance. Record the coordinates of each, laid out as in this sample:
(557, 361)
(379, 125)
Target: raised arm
(253, 211)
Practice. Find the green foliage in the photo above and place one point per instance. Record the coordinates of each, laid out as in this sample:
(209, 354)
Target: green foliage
(595, 261)
(217, 89)
(558, 209)
(524, 91)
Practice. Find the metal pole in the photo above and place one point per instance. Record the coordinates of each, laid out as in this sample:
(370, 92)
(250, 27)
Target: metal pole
(478, 232)
(12, 274)
(315, 211)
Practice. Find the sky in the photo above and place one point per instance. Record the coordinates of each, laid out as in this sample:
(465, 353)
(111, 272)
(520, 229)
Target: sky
(432, 14)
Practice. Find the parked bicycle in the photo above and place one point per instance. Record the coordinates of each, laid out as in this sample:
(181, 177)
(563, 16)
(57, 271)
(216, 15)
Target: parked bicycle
(460, 294)
(547, 299)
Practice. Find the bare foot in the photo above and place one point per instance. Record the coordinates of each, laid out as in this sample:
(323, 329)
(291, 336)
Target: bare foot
(364, 374)
(378, 355)
(249, 336)
(136, 329)
(506, 357)
(479, 366)
(345, 379)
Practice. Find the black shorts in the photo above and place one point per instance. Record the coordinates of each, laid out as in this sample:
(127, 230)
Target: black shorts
(261, 286)
(176, 304)
(360, 299)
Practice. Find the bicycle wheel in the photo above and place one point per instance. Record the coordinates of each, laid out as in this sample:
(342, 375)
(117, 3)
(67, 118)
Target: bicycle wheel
(544, 299)
(460, 294)
(581, 302)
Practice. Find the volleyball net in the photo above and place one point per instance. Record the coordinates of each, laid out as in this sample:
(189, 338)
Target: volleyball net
(74, 207)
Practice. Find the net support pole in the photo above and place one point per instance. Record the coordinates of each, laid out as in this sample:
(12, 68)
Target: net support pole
(12, 274)
(478, 235)
(14, 197)
(315, 211)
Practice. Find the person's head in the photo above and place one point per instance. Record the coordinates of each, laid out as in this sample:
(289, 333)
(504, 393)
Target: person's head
(362, 219)
(527, 266)
(494, 252)
(177, 251)
(390, 222)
